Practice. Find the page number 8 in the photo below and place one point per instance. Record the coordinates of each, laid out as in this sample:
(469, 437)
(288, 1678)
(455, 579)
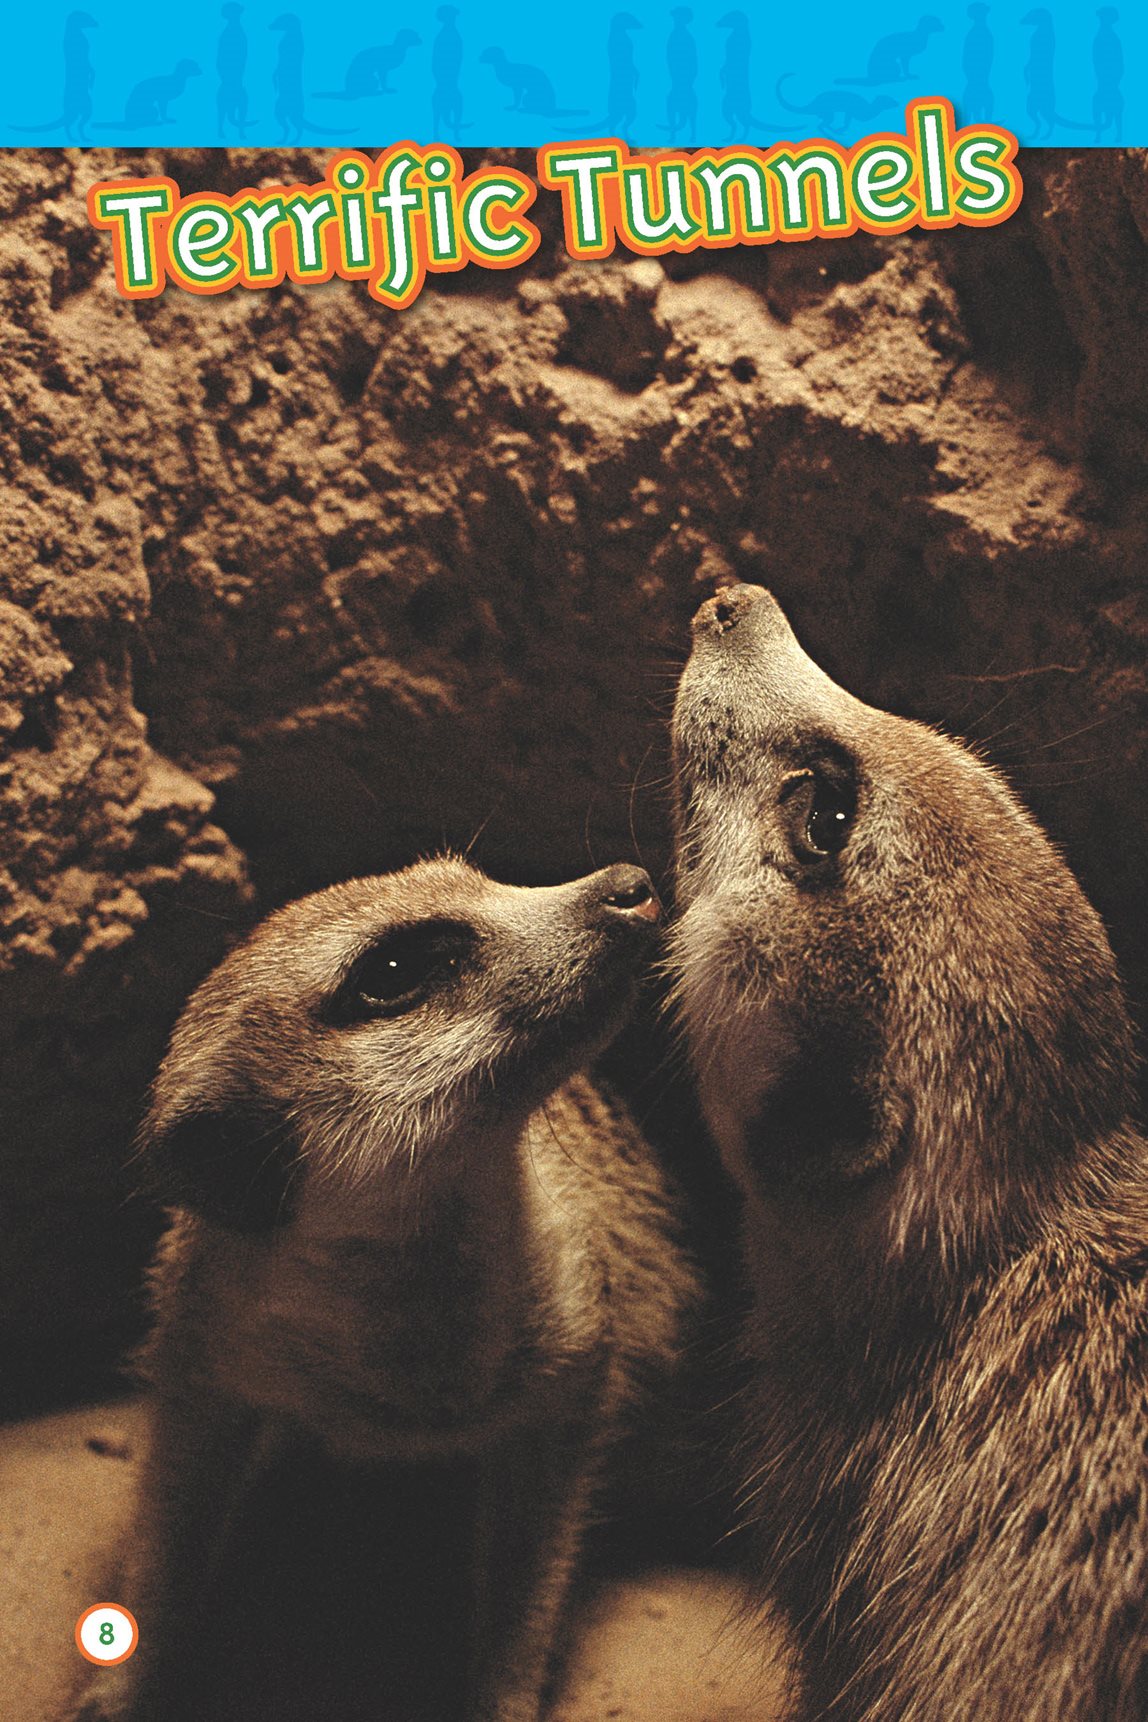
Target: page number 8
(106, 1633)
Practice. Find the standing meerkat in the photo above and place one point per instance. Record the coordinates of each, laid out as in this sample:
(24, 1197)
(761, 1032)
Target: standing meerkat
(912, 1048)
(418, 1278)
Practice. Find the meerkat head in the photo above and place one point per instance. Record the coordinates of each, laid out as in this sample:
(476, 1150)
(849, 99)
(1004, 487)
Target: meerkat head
(375, 1022)
(896, 997)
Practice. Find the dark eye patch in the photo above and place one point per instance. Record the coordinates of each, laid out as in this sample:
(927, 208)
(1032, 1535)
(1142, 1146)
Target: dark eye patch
(401, 970)
(235, 1163)
(819, 805)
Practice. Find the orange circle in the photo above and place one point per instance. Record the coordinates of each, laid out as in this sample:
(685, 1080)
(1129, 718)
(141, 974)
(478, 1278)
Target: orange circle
(108, 1661)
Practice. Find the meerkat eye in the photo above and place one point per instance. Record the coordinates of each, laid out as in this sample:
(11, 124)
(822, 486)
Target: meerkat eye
(401, 970)
(830, 817)
(820, 811)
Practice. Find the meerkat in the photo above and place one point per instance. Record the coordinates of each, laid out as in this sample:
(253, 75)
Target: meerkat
(418, 1277)
(913, 1052)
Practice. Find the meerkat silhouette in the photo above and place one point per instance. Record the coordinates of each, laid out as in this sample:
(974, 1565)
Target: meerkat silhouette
(79, 79)
(736, 99)
(912, 1048)
(147, 102)
(836, 107)
(446, 63)
(287, 82)
(231, 64)
(368, 71)
(682, 65)
(889, 59)
(532, 90)
(418, 1280)
(977, 63)
(622, 93)
(1040, 76)
(1108, 65)
(622, 86)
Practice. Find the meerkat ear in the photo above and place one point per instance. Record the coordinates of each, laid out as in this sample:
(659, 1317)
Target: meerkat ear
(235, 1165)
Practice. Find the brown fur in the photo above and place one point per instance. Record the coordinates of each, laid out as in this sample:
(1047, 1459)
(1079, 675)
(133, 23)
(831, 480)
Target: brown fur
(413, 1292)
(914, 1054)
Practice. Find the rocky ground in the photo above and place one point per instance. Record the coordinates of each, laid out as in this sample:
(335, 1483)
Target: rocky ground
(292, 586)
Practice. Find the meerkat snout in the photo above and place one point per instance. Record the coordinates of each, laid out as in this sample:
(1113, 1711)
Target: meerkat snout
(629, 892)
(727, 607)
(365, 1024)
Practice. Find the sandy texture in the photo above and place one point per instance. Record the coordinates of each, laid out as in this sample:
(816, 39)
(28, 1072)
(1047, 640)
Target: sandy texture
(65, 1495)
(294, 586)
(671, 1646)
(662, 1647)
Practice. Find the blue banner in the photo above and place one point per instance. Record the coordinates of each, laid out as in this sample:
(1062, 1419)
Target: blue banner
(129, 74)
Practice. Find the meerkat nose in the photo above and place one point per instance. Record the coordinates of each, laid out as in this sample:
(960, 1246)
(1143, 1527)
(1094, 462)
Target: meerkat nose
(628, 891)
(726, 608)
